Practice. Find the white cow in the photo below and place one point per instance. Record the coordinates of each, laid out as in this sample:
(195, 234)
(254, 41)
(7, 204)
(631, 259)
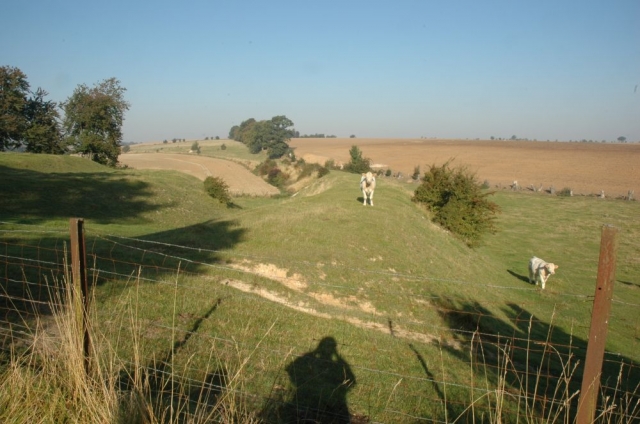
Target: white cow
(539, 271)
(367, 185)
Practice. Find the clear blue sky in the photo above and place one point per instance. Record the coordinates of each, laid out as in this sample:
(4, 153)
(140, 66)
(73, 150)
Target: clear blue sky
(536, 69)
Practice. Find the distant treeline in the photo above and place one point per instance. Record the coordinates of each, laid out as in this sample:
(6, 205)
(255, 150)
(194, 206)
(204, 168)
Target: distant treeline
(297, 135)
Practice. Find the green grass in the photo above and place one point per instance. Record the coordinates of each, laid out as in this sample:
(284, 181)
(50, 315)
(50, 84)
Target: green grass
(384, 274)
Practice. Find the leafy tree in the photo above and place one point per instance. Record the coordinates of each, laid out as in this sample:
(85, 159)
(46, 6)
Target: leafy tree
(195, 147)
(93, 120)
(26, 118)
(457, 202)
(14, 89)
(126, 148)
(352, 136)
(43, 125)
(622, 139)
(358, 164)
(271, 135)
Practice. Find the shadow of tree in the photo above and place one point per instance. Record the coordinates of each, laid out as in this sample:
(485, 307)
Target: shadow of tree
(168, 392)
(35, 274)
(104, 197)
(538, 361)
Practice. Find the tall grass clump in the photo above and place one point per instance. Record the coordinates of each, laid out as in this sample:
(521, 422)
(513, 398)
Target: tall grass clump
(457, 202)
(52, 381)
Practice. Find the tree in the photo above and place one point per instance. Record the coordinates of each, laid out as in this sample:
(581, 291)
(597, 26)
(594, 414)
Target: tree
(14, 89)
(358, 164)
(622, 139)
(93, 120)
(271, 135)
(195, 147)
(43, 126)
(26, 118)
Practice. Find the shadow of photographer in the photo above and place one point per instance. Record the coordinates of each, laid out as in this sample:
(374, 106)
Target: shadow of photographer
(321, 380)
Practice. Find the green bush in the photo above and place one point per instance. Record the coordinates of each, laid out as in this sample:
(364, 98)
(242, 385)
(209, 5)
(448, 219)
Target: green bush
(322, 171)
(357, 164)
(457, 202)
(388, 173)
(277, 178)
(218, 189)
(265, 167)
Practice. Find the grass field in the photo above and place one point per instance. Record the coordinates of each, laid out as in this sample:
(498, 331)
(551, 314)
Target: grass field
(245, 295)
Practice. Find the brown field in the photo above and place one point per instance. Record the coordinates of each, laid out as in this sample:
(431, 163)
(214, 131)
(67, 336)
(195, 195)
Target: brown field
(586, 168)
(239, 179)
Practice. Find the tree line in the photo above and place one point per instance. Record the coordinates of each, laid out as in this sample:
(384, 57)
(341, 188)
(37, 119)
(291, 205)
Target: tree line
(90, 124)
(270, 135)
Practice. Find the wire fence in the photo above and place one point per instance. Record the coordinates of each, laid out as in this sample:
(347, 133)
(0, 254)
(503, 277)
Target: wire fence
(452, 359)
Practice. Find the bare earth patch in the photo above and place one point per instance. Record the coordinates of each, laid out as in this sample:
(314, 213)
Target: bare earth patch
(586, 168)
(239, 179)
(349, 304)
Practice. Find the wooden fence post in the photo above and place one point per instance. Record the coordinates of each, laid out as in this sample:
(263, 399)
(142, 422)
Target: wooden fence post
(599, 325)
(80, 286)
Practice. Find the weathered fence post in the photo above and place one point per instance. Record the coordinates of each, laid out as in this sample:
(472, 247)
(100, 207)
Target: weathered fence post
(80, 287)
(599, 325)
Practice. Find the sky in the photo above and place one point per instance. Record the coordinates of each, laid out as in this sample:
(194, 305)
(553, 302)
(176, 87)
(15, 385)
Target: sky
(545, 70)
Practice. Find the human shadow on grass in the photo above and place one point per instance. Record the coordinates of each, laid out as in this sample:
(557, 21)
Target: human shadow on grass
(169, 392)
(320, 380)
(536, 358)
(30, 197)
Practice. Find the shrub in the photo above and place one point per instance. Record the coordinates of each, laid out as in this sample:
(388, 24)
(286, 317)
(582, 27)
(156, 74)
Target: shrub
(485, 185)
(416, 173)
(457, 202)
(330, 164)
(565, 192)
(388, 173)
(266, 166)
(223, 146)
(195, 147)
(218, 189)
(322, 171)
(277, 178)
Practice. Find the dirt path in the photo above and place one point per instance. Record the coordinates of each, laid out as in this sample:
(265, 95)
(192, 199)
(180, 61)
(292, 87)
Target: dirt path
(587, 168)
(239, 179)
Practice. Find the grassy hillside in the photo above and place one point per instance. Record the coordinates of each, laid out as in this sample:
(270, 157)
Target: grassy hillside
(210, 291)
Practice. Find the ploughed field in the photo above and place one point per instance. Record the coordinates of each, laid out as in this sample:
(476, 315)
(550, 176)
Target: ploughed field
(586, 168)
(237, 177)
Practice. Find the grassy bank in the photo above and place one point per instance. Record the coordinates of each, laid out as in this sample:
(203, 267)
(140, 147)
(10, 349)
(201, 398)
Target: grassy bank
(234, 296)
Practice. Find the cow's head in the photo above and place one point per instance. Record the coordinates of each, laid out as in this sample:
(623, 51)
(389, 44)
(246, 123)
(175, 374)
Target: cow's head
(551, 268)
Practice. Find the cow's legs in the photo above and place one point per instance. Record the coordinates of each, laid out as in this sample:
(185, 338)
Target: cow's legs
(371, 197)
(364, 196)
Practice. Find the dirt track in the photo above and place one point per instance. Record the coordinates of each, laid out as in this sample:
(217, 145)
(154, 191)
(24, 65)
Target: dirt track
(586, 168)
(239, 179)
